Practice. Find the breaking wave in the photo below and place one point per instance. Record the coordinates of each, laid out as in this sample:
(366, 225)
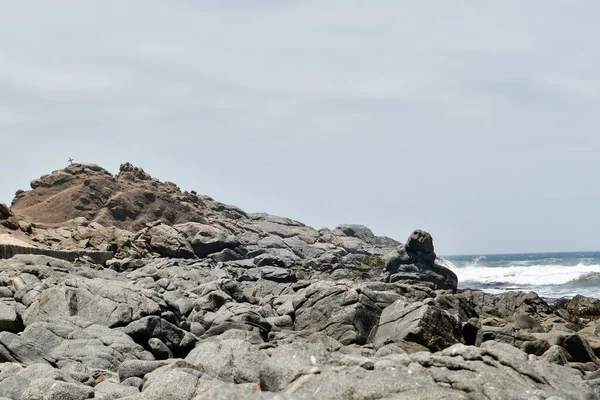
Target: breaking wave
(547, 277)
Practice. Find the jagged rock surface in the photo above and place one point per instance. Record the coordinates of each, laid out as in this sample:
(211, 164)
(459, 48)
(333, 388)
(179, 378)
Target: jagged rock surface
(204, 301)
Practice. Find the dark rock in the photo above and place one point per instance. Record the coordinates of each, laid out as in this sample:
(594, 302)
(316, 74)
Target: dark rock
(536, 347)
(420, 241)
(470, 330)
(581, 307)
(177, 340)
(397, 258)
(277, 274)
(579, 349)
(9, 320)
(160, 350)
(5, 211)
(441, 277)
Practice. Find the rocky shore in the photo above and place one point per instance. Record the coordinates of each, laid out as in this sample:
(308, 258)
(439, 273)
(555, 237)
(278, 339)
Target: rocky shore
(201, 300)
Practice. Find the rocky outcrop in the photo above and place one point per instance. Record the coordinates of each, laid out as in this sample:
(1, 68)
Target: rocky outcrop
(416, 262)
(205, 301)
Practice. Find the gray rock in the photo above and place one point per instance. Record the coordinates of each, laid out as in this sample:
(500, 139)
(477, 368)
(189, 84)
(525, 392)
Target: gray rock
(556, 355)
(112, 391)
(440, 276)
(347, 314)
(84, 349)
(133, 381)
(49, 389)
(171, 382)
(417, 322)
(14, 348)
(168, 242)
(508, 303)
(277, 274)
(205, 239)
(177, 340)
(13, 386)
(399, 256)
(106, 302)
(290, 361)
(9, 320)
(138, 368)
(159, 349)
(230, 360)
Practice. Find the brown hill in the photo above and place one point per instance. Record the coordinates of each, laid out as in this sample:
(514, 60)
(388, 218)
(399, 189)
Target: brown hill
(130, 200)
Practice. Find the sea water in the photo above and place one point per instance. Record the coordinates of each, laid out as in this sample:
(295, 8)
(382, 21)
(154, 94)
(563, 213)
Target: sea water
(550, 275)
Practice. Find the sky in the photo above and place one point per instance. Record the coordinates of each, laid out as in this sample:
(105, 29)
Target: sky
(476, 121)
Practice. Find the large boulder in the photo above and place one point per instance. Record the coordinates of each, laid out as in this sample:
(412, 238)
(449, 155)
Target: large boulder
(415, 262)
(418, 322)
(177, 340)
(5, 211)
(581, 307)
(206, 239)
(347, 314)
(14, 348)
(439, 276)
(167, 241)
(106, 302)
(80, 346)
(9, 320)
(230, 360)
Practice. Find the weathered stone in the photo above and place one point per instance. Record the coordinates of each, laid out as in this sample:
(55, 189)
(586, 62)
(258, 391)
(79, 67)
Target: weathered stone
(9, 320)
(417, 322)
(5, 211)
(138, 368)
(579, 349)
(230, 360)
(49, 389)
(177, 340)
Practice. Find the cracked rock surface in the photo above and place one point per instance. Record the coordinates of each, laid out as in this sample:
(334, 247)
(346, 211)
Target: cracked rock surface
(204, 301)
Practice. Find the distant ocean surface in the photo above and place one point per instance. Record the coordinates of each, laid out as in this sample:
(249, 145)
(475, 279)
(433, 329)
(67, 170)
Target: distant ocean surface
(550, 275)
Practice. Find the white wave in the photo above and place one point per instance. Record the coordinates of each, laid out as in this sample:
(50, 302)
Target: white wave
(537, 275)
(446, 263)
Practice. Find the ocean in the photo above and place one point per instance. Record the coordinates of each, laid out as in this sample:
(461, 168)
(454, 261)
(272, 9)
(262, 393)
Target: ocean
(550, 275)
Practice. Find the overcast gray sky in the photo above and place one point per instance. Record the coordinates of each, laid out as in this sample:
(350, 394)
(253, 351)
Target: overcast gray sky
(475, 120)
